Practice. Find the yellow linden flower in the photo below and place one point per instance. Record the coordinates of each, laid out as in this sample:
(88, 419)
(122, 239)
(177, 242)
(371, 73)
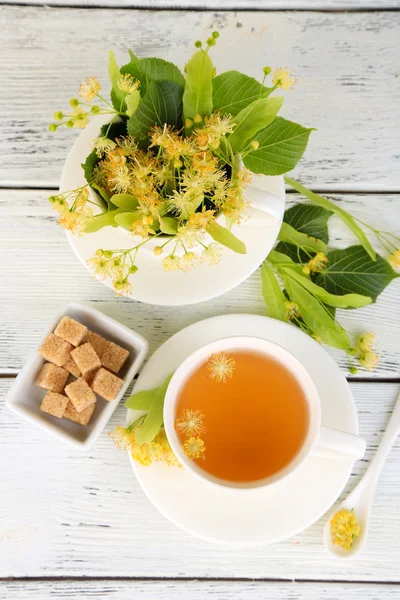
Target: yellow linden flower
(245, 177)
(122, 286)
(59, 204)
(292, 310)
(344, 528)
(102, 144)
(194, 447)
(369, 360)
(316, 264)
(200, 220)
(283, 78)
(171, 263)
(181, 204)
(168, 456)
(221, 367)
(212, 254)
(365, 342)
(191, 422)
(79, 117)
(186, 262)
(76, 220)
(127, 83)
(122, 436)
(394, 260)
(121, 180)
(89, 88)
(99, 266)
(188, 234)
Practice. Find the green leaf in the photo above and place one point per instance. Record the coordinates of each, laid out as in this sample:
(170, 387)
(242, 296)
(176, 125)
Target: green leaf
(273, 295)
(317, 317)
(309, 219)
(154, 418)
(223, 236)
(89, 165)
(353, 271)
(345, 301)
(169, 225)
(101, 195)
(233, 91)
(115, 129)
(161, 104)
(132, 102)
(282, 144)
(117, 95)
(141, 400)
(344, 215)
(251, 119)
(126, 219)
(157, 69)
(303, 241)
(197, 97)
(125, 201)
(106, 219)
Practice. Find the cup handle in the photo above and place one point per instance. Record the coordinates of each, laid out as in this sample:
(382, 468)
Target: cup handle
(334, 443)
(263, 205)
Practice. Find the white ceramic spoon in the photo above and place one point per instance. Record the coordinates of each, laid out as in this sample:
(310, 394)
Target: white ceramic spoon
(360, 499)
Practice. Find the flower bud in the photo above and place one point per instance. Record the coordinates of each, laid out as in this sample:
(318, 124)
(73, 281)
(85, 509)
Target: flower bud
(188, 123)
(215, 35)
(133, 269)
(52, 127)
(254, 145)
(52, 199)
(198, 44)
(198, 118)
(267, 70)
(157, 250)
(69, 124)
(211, 41)
(95, 109)
(74, 102)
(177, 164)
(58, 115)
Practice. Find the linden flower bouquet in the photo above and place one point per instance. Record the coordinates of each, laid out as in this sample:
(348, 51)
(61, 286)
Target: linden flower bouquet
(174, 161)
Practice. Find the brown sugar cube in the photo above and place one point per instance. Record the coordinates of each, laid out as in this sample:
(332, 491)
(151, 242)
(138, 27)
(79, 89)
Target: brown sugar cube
(86, 358)
(80, 394)
(72, 331)
(99, 343)
(54, 404)
(106, 385)
(52, 378)
(81, 418)
(114, 357)
(55, 350)
(72, 368)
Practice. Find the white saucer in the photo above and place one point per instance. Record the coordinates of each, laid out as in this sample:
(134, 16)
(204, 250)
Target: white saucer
(152, 284)
(269, 515)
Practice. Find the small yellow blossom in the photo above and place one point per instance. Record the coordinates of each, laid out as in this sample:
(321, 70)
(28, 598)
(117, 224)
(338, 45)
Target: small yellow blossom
(344, 528)
(394, 260)
(221, 367)
(190, 422)
(59, 204)
(194, 447)
(292, 310)
(316, 264)
(365, 342)
(212, 254)
(187, 261)
(99, 266)
(369, 360)
(200, 220)
(102, 144)
(171, 263)
(122, 436)
(127, 83)
(283, 78)
(188, 234)
(121, 179)
(89, 88)
(181, 203)
(156, 450)
(75, 220)
(122, 287)
(79, 117)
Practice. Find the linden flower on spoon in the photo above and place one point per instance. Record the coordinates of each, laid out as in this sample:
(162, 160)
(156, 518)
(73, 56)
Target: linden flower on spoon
(344, 528)
(221, 367)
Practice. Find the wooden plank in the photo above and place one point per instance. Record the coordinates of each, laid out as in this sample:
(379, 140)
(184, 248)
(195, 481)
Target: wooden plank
(347, 80)
(67, 513)
(198, 590)
(214, 5)
(43, 274)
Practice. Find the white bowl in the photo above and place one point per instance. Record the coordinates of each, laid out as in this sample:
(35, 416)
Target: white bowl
(24, 397)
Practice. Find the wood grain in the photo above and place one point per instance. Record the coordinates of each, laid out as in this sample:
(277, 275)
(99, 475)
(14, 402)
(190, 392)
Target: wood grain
(348, 84)
(68, 513)
(42, 274)
(196, 590)
(323, 5)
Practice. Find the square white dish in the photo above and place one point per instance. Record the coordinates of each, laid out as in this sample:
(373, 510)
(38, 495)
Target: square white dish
(24, 397)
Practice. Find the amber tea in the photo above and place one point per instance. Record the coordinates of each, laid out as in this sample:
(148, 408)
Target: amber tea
(241, 416)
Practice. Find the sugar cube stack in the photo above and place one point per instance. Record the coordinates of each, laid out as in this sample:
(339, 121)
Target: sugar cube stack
(74, 350)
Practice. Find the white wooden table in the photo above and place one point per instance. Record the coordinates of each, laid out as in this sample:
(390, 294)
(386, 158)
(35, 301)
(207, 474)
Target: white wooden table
(77, 525)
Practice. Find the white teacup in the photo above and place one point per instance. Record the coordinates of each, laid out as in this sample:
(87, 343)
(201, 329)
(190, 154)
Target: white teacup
(319, 440)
